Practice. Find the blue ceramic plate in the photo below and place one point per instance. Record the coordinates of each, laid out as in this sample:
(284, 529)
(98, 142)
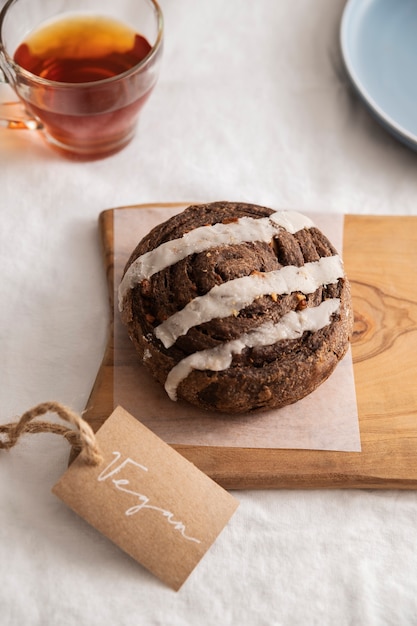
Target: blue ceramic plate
(379, 48)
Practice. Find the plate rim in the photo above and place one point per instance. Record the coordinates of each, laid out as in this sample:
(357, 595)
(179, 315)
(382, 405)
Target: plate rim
(389, 122)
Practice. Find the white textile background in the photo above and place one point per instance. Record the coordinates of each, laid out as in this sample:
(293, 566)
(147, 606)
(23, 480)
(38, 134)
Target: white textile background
(252, 104)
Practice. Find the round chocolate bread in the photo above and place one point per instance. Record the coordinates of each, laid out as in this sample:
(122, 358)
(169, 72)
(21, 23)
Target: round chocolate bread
(235, 307)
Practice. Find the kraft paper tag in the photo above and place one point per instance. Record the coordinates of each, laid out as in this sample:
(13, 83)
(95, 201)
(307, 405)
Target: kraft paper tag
(148, 499)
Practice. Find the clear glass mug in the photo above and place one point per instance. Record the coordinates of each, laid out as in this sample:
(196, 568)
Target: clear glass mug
(92, 117)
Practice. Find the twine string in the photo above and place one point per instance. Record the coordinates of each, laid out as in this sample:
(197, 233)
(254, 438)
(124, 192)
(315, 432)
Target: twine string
(82, 439)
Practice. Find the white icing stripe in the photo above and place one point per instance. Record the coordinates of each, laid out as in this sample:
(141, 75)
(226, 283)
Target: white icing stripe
(291, 221)
(291, 326)
(233, 296)
(206, 237)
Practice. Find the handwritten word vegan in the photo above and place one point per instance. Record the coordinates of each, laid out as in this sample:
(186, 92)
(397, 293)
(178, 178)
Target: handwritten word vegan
(122, 484)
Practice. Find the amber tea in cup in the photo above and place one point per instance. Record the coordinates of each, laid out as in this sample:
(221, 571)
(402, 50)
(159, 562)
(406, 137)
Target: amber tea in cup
(82, 74)
(81, 49)
(84, 49)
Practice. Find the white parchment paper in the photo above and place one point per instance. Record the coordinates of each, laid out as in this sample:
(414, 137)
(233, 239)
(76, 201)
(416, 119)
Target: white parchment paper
(327, 419)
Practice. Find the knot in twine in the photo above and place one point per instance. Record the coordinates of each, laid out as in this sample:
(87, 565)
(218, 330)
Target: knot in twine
(82, 440)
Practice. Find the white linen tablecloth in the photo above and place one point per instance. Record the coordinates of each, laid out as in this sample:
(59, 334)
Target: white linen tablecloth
(252, 104)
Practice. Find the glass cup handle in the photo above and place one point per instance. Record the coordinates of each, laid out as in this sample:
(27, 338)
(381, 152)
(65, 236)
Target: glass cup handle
(13, 115)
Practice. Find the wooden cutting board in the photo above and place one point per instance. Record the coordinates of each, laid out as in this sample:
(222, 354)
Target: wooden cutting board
(380, 255)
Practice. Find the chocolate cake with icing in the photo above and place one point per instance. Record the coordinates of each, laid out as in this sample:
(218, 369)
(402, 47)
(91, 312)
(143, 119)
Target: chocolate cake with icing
(234, 307)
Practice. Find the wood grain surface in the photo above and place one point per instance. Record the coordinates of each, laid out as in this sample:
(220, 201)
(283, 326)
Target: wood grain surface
(380, 255)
